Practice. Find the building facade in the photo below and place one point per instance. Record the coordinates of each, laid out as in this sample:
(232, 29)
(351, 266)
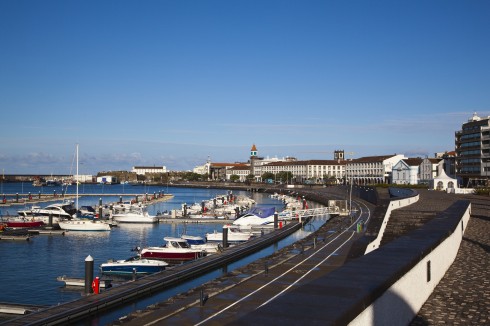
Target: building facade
(430, 168)
(407, 172)
(472, 146)
(142, 170)
(372, 169)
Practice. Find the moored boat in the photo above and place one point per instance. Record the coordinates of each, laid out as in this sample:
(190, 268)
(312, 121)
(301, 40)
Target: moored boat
(135, 214)
(256, 216)
(133, 265)
(174, 250)
(21, 222)
(197, 242)
(83, 224)
(234, 235)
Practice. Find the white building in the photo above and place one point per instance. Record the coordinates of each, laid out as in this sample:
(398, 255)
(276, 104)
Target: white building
(430, 168)
(242, 171)
(407, 171)
(142, 170)
(372, 169)
(313, 170)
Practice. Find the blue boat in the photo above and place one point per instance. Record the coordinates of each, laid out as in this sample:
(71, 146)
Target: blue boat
(133, 265)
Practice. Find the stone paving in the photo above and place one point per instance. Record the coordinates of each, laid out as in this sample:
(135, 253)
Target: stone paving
(463, 295)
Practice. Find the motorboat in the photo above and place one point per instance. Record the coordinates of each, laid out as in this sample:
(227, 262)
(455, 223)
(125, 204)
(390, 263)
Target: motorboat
(234, 235)
(255, 217)
(198, 242)
(175, 250)
(21, 222)
(56, 212)
(84, 224)
(135, 214)
(133, 265)
(87, 211)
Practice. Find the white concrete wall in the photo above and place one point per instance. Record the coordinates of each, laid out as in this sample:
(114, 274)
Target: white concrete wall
(400, 304)
(394, 204)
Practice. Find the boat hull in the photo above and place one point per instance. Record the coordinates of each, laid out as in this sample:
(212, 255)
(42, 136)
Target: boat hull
(171, 256)
(24, 224)
(127, 218)
(127, 269)
(88, 225)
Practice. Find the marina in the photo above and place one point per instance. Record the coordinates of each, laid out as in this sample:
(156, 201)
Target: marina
(64, 255)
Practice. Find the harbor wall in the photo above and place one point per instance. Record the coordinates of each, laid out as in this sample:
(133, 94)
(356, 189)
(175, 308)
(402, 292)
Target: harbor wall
(414, 265)
(407, 199)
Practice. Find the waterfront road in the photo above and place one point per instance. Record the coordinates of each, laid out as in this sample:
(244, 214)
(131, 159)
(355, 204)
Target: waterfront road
(241, 292)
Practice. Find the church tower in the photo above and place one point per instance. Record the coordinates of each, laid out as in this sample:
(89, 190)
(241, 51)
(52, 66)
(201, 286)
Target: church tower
(253, 152)
(253, 157)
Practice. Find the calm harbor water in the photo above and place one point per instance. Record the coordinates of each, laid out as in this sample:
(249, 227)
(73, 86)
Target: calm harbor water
(29, 268)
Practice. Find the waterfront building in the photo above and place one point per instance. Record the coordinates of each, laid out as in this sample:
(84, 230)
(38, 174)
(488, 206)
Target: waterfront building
(472, 144)
(372, 169)
(430, 168)
(407, 171)
(242, 171)
(142, 170)
(316, 171)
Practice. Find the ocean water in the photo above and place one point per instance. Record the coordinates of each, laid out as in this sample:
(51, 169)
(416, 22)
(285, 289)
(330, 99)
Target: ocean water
(29, 269)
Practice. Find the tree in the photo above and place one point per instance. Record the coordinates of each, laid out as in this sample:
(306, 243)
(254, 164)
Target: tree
(234, 178)
(267, 175)
(284, 176)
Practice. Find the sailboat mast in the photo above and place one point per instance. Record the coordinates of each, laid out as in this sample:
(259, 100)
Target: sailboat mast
(77, 182)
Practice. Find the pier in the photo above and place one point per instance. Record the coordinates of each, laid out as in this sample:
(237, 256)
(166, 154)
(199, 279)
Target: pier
(80, 309)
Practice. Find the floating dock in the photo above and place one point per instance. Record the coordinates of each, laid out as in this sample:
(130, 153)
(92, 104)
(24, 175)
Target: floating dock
(77, 310)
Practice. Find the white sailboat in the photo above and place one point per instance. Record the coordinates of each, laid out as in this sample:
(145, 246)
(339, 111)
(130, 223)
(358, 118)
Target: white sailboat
(82, 224)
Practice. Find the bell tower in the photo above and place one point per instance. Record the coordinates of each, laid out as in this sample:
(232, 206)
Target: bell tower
(253, 152)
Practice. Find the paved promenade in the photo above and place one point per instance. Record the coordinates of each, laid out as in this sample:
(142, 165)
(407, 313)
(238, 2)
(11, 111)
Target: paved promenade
(463, 295)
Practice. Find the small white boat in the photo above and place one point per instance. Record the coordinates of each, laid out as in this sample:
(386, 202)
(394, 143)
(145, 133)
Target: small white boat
(84, 225)
(197, 242)
(135, 214)
(73, 281)
(235, 235)
(133, 265)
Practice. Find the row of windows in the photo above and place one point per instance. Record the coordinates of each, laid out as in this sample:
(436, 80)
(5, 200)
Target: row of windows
(470, 160)
(466, 153)
(470, 144)
(470, 136)
(470, 169)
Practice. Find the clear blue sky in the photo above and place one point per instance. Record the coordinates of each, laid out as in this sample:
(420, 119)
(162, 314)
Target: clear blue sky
(173, 82)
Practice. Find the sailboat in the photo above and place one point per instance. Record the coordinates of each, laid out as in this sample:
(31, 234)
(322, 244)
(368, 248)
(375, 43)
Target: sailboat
(83, 224)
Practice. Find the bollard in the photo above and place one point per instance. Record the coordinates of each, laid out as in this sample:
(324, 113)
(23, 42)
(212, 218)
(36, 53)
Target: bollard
(134, 274)
(266, 268)
(314, 243)
(54, 193)
(17, 197)
(100, 208)
(225, 237)
(136, 200)
(203, 297)
(120, 199)
(96, 285)
(39, 196)
(50, 220)
(89, 273)
(276, 217)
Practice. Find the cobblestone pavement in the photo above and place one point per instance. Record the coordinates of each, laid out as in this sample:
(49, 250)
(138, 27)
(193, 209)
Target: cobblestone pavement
(463, 295)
